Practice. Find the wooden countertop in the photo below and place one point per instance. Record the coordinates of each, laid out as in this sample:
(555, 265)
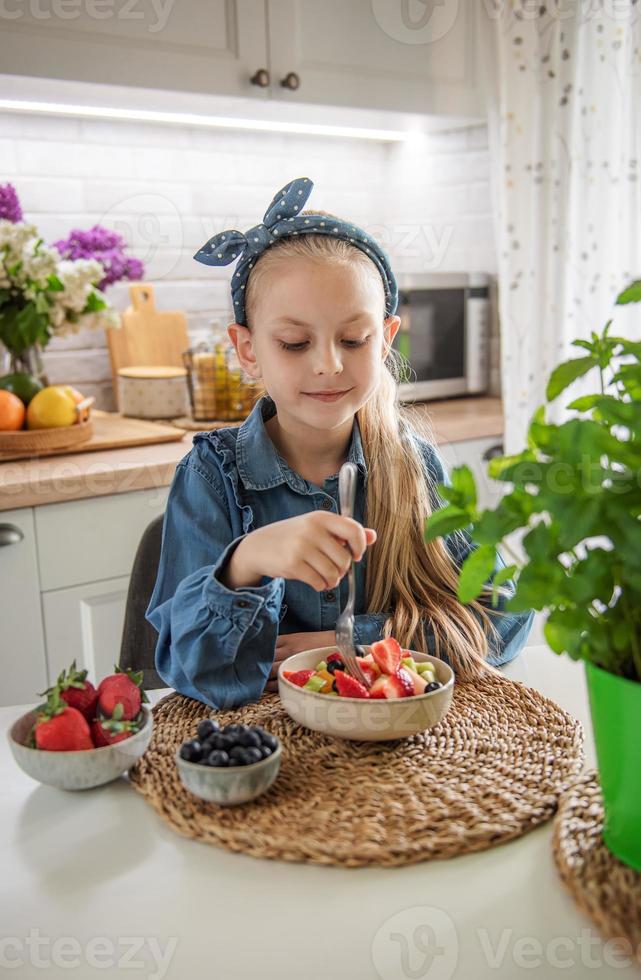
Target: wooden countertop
(29, 483)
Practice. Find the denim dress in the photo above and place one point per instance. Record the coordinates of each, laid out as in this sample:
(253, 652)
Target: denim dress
(217, 644)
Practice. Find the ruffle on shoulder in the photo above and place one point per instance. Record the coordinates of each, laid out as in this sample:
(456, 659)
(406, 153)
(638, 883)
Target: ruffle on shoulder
(223, 442)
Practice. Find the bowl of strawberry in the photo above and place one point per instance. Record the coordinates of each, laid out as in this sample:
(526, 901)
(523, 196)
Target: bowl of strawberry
(406, 692)
(83, 736)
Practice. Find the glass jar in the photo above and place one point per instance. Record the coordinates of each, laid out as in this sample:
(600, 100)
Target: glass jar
(219, 389)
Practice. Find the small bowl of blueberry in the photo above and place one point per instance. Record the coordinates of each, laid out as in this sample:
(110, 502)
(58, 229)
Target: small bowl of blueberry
(229, 765)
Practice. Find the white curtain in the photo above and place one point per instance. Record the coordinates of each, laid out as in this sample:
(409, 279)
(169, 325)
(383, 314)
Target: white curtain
(563, 86)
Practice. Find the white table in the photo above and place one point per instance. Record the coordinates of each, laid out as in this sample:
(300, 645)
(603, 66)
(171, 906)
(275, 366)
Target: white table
(96, 878)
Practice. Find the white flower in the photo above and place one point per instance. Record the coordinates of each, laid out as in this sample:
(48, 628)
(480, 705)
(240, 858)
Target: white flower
(26, 267)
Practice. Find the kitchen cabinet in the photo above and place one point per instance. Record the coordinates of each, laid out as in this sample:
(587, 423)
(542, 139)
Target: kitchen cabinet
(85, 622)
(64, 576)
(365, 53)
(23, 664)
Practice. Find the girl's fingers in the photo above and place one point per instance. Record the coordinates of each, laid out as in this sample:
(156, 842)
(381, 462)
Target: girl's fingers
(321, 574)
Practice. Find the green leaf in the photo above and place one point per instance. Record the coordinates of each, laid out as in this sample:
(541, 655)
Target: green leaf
(94, 303)
(445, 520)
(562, 630)
(505, 574)
(585, 402)
(475, 571)
(631, 294)
(54, 284)
(566, 373)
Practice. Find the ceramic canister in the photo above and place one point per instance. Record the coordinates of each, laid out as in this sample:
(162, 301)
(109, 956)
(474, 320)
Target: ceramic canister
(153, 392)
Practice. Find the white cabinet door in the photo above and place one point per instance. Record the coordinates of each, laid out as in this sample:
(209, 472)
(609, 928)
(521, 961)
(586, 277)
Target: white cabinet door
(22, 653)
(414, 57)
(210, 46)
(82, 541)
(472, 452)
(85, 623)
(86, 552)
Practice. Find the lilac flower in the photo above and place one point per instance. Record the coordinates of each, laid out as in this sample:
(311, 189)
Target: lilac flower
(107, 247)
(10, 208)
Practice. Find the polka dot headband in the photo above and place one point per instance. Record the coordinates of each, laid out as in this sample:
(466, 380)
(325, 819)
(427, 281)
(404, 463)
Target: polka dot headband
(283, 219)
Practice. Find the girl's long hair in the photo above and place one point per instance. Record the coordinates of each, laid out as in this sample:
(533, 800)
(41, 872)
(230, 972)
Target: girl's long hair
(412, 581)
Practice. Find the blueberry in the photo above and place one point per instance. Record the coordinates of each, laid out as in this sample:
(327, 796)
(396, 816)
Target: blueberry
(238, 752)
(333, 665)
(206, 728)
(433, 686)
(249, 740)
(217, 758)
(270, 741)
(191, 751)
(252, 754)
(235, 729)
(265, 751)
(220, 741)
(334, 688)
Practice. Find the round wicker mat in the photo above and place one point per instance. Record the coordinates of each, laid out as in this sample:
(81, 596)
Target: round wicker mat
(607, 890)
(492, 770)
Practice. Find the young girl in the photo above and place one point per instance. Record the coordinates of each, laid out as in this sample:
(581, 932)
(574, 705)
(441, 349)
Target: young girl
(254, 548)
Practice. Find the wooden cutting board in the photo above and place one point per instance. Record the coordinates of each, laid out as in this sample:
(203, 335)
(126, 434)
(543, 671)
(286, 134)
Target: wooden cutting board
(112, 431)
(147, 336)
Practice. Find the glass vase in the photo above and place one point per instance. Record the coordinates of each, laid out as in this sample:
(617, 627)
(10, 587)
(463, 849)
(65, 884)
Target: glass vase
(30, 361)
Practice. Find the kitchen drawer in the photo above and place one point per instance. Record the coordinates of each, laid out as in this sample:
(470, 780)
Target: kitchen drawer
(82, 541)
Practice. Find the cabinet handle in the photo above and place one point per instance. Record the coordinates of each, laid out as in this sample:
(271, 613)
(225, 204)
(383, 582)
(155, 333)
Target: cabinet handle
(260, 77)
(492, 451)
(10, 534)
(291, 81)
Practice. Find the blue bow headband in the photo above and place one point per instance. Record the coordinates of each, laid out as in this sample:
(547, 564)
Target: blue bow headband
(282, 219)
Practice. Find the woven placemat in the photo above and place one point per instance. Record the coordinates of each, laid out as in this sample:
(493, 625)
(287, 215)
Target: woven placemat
(493, 769)
(607, 890)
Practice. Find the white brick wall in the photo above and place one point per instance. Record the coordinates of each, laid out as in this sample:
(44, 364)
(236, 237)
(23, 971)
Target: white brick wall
(168, 189)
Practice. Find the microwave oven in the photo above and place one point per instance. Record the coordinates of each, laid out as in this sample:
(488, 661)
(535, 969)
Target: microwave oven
(444, 335)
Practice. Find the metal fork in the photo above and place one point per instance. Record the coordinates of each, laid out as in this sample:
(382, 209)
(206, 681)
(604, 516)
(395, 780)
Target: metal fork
(345, 622)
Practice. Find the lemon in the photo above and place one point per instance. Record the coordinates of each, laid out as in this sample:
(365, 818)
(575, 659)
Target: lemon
(51, 408)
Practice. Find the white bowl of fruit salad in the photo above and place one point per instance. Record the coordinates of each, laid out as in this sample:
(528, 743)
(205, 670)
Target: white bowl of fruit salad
(408, 692)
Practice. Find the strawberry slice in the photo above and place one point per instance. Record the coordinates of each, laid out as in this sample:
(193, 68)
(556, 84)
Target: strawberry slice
(298, 677)
(371, 671)
(396, 685)
(348, 686)
(387, 654)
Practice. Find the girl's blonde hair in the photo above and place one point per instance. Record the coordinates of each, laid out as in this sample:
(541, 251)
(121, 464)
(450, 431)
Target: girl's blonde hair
(410, 579)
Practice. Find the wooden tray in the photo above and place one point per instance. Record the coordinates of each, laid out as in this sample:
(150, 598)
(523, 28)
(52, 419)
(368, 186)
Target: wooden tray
(110, 431)
(42, 442)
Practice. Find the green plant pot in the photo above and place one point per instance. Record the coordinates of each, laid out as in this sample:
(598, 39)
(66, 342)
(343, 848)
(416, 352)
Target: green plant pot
(615, 707)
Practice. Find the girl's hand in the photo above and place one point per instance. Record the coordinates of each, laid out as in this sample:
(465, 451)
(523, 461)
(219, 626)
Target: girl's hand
(289, 644)
(310, 548)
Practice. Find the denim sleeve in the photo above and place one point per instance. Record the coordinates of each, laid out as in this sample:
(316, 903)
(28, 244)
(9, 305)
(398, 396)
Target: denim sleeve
(513, 628)
(215, 644)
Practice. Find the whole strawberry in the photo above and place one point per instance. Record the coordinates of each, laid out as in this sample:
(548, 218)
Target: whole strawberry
(76, 691)
(107, 731)
(59, 728)
(122, 688)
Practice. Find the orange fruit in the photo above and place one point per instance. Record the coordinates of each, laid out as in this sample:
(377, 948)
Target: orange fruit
(12, 411)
